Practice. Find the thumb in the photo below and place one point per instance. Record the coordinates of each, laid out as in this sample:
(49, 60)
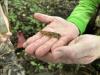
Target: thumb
(43, 18)
(70, 51)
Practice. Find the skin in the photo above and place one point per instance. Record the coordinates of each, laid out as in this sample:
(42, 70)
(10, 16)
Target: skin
(39, 45)
(69, 49)
(82, 50)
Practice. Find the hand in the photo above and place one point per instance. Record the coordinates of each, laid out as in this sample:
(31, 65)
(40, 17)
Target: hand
(39, 45)
(83, 50)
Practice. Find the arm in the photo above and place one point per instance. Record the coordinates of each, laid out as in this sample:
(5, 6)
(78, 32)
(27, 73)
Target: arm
(83, 13)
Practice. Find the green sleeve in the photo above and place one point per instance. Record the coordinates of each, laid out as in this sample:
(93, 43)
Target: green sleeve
(83, 13)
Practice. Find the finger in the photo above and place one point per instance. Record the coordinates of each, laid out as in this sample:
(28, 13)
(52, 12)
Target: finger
(74, 41)
(77, 40)
(45, 48)
(33, 46)
(72, 51)
(43, 18)
(48, 58)
(32, 39)
(59, 52)
(86, 59)
(62, 41)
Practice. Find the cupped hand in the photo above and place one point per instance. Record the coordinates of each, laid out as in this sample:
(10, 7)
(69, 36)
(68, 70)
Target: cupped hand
(82, 50)
(39, 45)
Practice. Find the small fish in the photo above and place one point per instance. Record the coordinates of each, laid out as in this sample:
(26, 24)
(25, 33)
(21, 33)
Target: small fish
(51, 34)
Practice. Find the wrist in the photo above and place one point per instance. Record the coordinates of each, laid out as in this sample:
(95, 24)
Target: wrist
(79, 24)
(76, 30)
